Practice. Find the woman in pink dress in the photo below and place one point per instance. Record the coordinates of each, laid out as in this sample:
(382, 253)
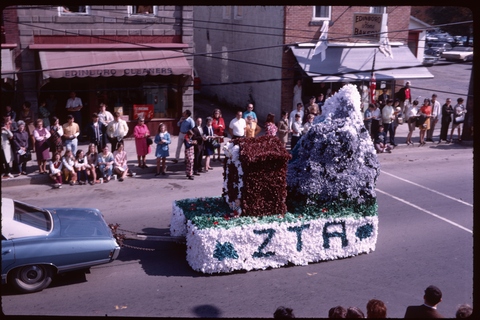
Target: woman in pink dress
(270, 127)
(141, 132)
(42, 149)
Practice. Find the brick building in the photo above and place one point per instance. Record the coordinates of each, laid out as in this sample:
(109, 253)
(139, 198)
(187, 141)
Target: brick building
(124, 56)
(257, 54)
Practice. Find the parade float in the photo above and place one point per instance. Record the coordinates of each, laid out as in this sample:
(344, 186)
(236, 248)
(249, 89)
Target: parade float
(279, 208)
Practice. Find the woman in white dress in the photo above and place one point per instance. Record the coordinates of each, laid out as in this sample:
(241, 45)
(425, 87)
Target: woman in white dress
(297, 94)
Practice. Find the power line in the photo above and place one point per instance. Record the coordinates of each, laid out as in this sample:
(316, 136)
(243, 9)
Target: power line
(340, 36)
(214, 53)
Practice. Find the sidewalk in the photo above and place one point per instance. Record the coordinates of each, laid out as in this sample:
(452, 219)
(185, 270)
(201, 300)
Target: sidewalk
(203, 108)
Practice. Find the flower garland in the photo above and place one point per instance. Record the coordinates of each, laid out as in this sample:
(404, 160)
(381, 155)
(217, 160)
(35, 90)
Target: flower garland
(212, 212)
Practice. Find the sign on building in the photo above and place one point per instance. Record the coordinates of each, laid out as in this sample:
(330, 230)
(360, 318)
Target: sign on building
(367, 25)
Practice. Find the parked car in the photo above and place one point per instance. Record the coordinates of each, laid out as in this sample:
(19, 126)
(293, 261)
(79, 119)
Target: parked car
(436, 48)
(458, 41)
(38, 243)
(459, 54)
(429, 60)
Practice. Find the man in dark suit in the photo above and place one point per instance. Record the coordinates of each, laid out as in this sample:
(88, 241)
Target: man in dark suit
(432, 297)
(382, 99)
(96, 133)
(198, 148)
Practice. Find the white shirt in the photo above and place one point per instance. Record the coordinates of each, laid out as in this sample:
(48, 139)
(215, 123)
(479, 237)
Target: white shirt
(388, 114)
(73, 103)
(238, 126)
(105, 117)
(437, 111)
(292, 116)
(297, 128)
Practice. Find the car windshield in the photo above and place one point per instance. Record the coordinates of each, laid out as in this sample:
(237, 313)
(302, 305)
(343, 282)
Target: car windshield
(32, 216)
(462, 49)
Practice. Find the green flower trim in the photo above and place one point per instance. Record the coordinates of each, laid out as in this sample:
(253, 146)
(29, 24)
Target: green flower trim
(212, 212)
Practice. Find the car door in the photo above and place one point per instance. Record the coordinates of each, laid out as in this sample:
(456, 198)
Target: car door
(8, 255)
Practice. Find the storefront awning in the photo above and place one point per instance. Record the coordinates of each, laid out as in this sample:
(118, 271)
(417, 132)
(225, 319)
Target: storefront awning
(355, 64)
(81, 64)
(8, 65)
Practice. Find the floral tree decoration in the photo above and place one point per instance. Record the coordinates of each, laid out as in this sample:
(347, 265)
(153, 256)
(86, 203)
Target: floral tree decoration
(335, 161)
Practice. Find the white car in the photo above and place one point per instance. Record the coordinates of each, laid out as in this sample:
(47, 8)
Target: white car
(459, 54)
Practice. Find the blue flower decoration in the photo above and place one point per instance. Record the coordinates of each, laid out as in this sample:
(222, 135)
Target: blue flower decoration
(224, 251)
(364, 231)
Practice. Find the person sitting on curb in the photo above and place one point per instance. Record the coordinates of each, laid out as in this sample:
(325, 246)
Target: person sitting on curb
(380, 144)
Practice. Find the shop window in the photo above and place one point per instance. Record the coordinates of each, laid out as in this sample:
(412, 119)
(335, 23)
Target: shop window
(378, 9)
(142, 10)
(69, 9)
(322, 13)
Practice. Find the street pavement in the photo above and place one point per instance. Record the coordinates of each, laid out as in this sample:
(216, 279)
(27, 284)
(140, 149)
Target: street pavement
(203, 107)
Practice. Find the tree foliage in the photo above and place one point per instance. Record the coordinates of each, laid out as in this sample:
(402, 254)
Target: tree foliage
(440, 15)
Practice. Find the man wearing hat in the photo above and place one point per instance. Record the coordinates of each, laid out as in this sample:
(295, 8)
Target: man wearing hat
(432, 297)
(405, 96)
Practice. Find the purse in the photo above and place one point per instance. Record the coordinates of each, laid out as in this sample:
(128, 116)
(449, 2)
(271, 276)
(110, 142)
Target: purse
(149, 141)
(420, 120)
(215, 144)
(460, 119)
(27, 156)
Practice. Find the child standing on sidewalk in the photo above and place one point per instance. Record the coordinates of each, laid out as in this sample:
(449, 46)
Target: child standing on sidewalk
(162, 140)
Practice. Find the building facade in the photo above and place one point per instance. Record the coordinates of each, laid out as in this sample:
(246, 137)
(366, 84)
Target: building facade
(257, 54)
(128, 57)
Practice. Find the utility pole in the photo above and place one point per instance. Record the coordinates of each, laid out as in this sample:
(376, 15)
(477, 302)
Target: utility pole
(467, 134)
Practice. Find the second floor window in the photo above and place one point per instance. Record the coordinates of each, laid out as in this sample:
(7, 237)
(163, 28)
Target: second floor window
(322, 13)
(143, 10)
(378, 9)
(69, 9)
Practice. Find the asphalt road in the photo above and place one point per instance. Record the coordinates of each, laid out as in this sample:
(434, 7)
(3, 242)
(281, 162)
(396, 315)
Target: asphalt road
(425, 198)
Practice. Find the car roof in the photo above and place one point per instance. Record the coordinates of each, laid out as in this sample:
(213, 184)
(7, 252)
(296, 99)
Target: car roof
(14, 229)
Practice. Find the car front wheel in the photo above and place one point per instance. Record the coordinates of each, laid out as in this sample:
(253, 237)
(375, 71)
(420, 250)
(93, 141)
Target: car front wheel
(31, 278)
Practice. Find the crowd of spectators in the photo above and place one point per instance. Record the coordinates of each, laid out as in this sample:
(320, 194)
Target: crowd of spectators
(377, 309)
(45, 136)
(388, 113)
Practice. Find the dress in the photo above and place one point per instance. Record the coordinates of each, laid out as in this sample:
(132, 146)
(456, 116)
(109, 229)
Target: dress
(427, 111)
(270, 129)
(458, 111)
(297, 95)
(218, 125)
(120, 160)
(282, 131)
(7, 136)
(162, 150)
(42, 149)
(140, 140)
(56, 143)
(208, 149)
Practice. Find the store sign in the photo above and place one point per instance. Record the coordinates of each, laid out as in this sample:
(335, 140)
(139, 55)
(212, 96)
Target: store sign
(367, 25)
(117, 72)
(144, 111)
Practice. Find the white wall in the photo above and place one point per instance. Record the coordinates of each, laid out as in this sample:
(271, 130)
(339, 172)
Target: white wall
(226, 36)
